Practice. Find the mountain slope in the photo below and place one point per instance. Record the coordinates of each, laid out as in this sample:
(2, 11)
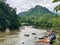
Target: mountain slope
(38, 16)
(37, 10)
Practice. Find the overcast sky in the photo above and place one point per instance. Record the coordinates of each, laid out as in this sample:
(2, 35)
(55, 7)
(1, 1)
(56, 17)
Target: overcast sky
(24, 5)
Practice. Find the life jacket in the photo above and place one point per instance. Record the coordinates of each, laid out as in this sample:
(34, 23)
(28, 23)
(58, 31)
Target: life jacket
(52, 37)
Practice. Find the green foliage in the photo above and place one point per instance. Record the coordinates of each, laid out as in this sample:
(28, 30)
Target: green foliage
(56, 23)
(41, 17)
(8, 17)
(57, 8)
(57, 41)
(56, 0)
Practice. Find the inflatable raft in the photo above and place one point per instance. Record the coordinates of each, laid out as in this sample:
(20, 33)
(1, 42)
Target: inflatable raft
(49, 39)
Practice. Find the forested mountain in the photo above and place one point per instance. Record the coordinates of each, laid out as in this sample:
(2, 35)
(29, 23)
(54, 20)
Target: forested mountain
(37, 10)
(8, 17)
(39, 17)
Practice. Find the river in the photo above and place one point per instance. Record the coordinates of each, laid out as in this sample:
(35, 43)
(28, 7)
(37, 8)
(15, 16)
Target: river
(26, 36)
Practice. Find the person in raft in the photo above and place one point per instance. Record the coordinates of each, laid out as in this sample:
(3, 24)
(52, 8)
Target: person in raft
(50, 39)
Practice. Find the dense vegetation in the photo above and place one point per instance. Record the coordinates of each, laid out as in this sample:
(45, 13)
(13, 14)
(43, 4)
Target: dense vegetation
(57, 8)
(8, 17)
(41, 17)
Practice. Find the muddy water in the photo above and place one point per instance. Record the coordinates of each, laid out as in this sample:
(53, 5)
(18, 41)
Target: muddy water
(20, 38)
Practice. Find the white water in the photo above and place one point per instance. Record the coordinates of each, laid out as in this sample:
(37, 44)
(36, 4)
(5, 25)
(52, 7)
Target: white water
(31, 40)
(18, 39)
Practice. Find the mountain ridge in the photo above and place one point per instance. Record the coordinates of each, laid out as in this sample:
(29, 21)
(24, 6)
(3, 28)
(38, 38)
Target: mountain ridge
(36, 10)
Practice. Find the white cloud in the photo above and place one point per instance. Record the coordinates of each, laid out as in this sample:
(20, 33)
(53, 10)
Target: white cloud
(24, 5)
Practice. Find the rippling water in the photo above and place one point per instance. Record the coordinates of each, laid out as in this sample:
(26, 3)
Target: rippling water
(20, 38)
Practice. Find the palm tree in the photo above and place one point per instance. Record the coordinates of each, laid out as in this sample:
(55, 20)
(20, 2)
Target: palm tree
(57, 8)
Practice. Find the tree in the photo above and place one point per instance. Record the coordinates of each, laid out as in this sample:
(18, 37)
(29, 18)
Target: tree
(8, 17)
(57, 8)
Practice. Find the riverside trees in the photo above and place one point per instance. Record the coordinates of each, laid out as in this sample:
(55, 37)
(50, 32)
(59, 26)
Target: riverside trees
(8, 17)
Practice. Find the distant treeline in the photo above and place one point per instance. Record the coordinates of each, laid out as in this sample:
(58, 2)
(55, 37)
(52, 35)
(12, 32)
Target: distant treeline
(40, 17)
(8, 17)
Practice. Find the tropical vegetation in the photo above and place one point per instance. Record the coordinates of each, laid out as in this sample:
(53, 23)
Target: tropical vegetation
(8, 17)
(57, 8)
(41, 17)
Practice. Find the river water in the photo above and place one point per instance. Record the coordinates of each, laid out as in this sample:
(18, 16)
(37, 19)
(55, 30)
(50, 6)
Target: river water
(20, 38)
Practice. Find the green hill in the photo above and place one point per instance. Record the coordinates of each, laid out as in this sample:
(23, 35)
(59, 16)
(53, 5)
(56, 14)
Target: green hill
(37, 10)
(39, 17)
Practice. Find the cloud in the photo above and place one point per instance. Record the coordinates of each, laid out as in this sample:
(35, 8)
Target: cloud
(24, 5)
